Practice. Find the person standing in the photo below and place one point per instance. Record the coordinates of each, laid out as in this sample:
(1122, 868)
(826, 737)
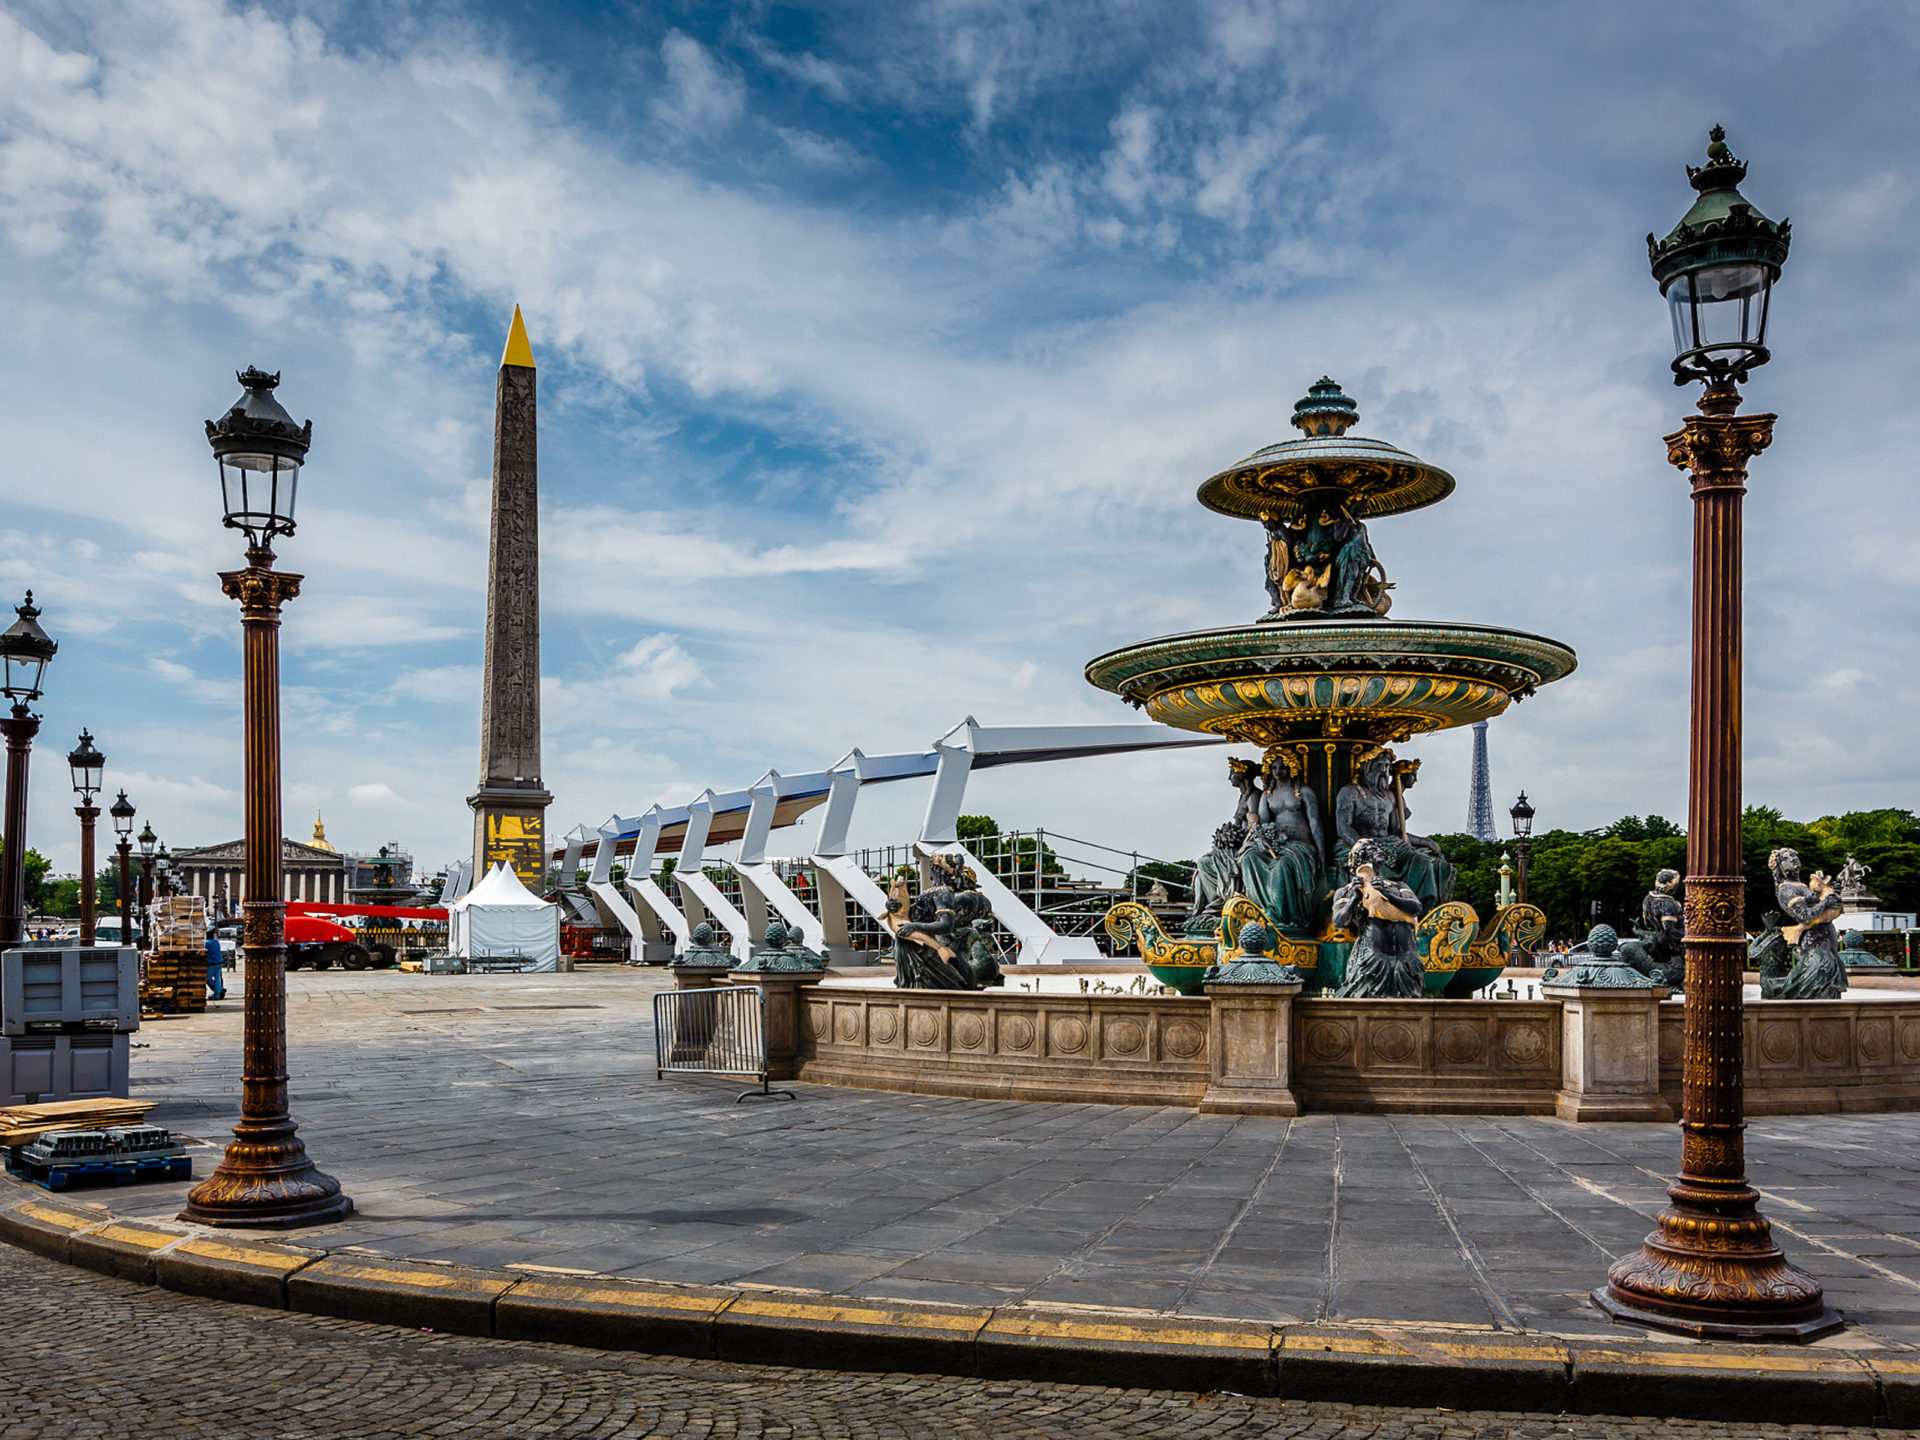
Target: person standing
(216, 974)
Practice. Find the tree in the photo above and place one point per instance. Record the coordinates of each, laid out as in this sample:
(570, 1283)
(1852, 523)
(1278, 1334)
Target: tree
(1177, 877)
(1010, 857)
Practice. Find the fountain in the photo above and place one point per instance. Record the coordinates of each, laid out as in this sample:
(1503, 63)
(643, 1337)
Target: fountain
(1323, 684)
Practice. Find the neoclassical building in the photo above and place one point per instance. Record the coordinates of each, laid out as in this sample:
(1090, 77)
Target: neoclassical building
(218, 872)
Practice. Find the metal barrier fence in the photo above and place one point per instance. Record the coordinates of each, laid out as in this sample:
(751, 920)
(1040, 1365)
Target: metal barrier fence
(721, 1031)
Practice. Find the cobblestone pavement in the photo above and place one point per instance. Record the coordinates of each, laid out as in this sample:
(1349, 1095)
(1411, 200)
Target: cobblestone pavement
(516, 1121)
(91, 1356)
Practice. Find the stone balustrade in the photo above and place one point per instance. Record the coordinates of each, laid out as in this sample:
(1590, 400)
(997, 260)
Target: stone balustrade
(1262, 1050)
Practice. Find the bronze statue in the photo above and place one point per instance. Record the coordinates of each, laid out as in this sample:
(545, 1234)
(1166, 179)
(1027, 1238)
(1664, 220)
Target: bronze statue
(942, 938)
(1373, 806)
(1283, 855)
(1381, 911)
(1322, 564)
(1216, 879)
(1662, 932)
(1817, 972)
(1770, 954)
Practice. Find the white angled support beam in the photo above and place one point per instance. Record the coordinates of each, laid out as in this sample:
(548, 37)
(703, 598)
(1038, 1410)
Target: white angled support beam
(600, 882)
(690, 876)
(759, 881)
(642, 885)
(837, 873)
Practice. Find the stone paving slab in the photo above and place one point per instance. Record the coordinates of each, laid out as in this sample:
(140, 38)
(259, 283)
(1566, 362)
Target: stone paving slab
(478, 1124)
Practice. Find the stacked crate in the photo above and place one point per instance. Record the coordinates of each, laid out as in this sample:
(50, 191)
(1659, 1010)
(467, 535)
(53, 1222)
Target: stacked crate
(176, 971)
(66, 1016)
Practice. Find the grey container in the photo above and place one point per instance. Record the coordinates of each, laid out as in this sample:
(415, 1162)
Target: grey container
(71, 988)
(37, 1068)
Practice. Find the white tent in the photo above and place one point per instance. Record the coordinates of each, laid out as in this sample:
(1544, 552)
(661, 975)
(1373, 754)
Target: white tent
(500, 916)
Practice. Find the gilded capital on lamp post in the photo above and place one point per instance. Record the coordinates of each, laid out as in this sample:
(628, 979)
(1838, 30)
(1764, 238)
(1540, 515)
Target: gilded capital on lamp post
(265, 1178)
(1711, 1268)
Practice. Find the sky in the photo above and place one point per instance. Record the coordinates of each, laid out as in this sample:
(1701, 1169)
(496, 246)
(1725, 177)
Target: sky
(881, 348)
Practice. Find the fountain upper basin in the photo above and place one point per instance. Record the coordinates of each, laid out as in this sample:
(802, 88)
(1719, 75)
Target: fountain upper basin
(1362, 679)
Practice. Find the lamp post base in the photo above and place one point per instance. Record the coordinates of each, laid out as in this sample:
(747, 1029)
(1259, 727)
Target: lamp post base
(265, 1181)
(1711, 1270)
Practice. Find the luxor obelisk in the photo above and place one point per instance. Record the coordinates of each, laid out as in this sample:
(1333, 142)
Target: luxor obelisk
(509, 808)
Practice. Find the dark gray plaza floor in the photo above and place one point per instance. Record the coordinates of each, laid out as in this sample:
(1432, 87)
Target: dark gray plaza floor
(516, 1122)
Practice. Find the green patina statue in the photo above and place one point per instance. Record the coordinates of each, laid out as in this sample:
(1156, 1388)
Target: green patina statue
(943, 937)
(782, 953)
(1374, 807)
(1662, 933)
(702, 953)
(1817, 972)
(1384, 963)
(1216, 880)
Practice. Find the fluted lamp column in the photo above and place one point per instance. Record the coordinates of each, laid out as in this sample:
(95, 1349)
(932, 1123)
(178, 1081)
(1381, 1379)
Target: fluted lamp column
(87, 764)
(1711, 1268)
(24, 653)
(123, 812)
(265, 1178)
(1522, 816)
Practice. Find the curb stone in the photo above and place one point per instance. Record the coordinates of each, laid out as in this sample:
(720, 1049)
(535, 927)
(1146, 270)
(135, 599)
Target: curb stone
(415, 1293)
(1354, 1364)
(1143, 1353)
(1749, 1383)
(612, 1315)
(1495, 1370)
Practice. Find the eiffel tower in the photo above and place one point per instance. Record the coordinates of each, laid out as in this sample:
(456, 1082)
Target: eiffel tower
(1480, 791)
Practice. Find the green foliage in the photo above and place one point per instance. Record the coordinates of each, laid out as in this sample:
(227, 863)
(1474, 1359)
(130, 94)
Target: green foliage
(1615, 865)
(1177, 878)
(1011, 858)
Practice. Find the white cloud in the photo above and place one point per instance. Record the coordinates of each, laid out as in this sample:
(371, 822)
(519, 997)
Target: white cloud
(821, 473)
(702, 93)
(374, 793)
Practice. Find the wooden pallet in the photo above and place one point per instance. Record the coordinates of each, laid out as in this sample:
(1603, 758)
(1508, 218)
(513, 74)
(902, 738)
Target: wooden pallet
(114, 1172)
(21, 1123)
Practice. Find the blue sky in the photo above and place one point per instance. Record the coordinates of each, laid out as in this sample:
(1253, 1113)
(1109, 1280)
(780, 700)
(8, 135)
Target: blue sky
(881, 349)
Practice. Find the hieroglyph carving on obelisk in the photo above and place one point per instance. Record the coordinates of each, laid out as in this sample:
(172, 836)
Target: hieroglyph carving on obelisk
(509, 808)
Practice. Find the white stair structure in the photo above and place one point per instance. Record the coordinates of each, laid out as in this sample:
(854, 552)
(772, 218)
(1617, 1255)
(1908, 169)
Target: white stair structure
(776, 800)
(760, 884)
(669, 927)
(607, 894)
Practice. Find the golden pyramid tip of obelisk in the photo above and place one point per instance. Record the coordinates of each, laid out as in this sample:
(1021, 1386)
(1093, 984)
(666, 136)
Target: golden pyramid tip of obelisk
(519, 352)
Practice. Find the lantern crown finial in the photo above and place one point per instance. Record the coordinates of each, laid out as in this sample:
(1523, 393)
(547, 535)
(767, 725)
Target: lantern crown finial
(1722, 171)
(1325, 410)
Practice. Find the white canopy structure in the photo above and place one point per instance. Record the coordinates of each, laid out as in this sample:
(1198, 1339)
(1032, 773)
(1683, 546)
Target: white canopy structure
(501, 917)
(656, 924)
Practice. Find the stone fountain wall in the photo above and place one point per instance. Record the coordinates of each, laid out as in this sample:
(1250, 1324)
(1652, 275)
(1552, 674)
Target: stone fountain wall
(1817, 1057)
(1263, 1050)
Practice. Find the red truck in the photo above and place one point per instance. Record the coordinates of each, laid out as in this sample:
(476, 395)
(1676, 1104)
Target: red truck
(316, 939)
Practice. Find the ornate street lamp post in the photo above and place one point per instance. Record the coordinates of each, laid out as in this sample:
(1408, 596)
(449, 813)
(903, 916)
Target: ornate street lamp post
(86, 764)
(148, 843)
(24, 653)
(1710, 1268)
(122, 812)
(1522, 816)
(265, 1178)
